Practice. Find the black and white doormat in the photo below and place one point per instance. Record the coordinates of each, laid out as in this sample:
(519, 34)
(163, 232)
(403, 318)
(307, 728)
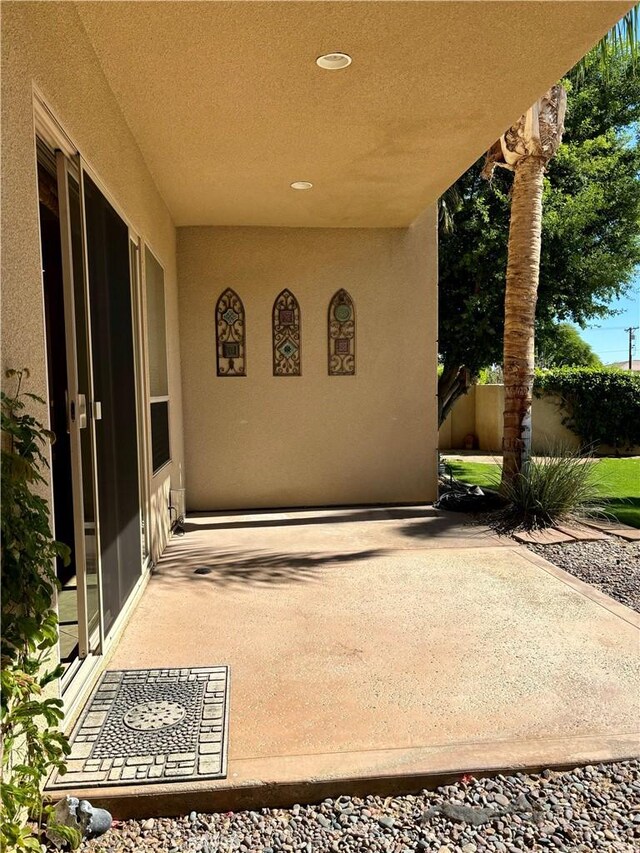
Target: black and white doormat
(150, 726)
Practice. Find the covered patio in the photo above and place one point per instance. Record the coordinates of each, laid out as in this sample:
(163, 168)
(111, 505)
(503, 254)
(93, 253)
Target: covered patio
(181, 182)
(229, 243)
(379, 649)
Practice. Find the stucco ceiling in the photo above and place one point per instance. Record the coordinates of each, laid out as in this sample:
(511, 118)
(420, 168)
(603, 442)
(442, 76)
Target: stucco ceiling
(229, 107)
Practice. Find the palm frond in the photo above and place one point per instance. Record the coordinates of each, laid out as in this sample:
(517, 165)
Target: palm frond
(622, 40)
(449, 204)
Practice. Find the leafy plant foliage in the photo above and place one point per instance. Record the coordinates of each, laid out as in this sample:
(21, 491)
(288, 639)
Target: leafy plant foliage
(492, 375)
(603, 405)
(29, 719)
(590, 238)
(563, 347)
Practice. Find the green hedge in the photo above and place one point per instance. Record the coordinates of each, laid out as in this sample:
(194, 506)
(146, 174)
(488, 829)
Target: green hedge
(601, 406)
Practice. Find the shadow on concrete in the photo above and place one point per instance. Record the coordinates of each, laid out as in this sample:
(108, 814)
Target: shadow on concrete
(340, 517)
(251, 568)
(451, 525)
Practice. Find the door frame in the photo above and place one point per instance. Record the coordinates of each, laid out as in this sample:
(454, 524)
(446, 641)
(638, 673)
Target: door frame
(64, 165)
(141, 361)
(81, 673)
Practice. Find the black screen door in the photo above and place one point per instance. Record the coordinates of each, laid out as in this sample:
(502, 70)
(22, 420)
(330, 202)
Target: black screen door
(107, 242)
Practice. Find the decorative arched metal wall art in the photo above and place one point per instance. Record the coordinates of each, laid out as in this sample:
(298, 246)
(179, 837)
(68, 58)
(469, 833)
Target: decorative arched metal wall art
(231, 357)
(342, 335)
(286, 335)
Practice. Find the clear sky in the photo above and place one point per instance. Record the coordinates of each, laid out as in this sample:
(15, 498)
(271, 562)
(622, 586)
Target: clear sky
(607, 336)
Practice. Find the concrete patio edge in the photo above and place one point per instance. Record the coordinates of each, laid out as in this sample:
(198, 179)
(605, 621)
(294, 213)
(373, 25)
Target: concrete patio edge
(587, 589)
(354, 751)
(281, 781)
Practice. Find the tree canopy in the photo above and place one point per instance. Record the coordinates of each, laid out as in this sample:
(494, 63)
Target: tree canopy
(590, 229)
(564, 347)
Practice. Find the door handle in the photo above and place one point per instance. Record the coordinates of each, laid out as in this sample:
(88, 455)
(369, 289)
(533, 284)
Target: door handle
(82, 411)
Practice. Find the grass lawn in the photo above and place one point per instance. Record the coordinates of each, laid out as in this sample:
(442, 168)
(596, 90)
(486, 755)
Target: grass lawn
(619, 483)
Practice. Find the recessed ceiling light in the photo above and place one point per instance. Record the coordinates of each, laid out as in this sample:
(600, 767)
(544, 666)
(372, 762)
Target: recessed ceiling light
(334, 61)
(301, 185)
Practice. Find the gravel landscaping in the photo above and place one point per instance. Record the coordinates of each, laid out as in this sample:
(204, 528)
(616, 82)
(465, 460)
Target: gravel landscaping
(587, 809)
(611, 565)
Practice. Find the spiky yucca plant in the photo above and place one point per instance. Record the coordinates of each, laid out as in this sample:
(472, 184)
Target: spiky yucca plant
(560, 486)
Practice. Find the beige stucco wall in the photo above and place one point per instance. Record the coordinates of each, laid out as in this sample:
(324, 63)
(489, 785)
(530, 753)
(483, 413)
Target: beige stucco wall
(548, 431)
(480, 412)
(45, 44)
(489, 408)
(487, 404)
(264, 441)
(464, 420)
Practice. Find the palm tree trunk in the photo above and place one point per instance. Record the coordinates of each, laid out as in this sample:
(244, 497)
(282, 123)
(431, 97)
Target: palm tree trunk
(523, 268)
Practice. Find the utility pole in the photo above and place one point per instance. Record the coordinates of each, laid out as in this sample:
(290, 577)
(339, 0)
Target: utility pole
(631, 330)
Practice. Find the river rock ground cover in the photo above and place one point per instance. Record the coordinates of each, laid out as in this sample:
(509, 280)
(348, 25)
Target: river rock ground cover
(594, 808)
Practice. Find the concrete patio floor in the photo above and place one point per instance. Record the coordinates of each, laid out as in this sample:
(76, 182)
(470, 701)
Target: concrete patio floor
(376, 650)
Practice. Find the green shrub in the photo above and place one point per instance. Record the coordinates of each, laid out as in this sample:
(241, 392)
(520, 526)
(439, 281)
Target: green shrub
(492, 375)
(32, 744)
(602, 405)
(560, 486)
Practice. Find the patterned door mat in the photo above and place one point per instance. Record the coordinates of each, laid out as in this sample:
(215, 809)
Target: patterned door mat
(149, 726)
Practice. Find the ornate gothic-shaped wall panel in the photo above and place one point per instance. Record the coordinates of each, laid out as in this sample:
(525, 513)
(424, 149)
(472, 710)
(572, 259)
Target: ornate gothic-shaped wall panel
(286, 335)
(342, 335)
(230, 335)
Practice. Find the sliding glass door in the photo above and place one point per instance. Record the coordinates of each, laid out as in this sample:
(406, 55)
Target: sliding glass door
(114, 379)
(94, 403)
(86, 419)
